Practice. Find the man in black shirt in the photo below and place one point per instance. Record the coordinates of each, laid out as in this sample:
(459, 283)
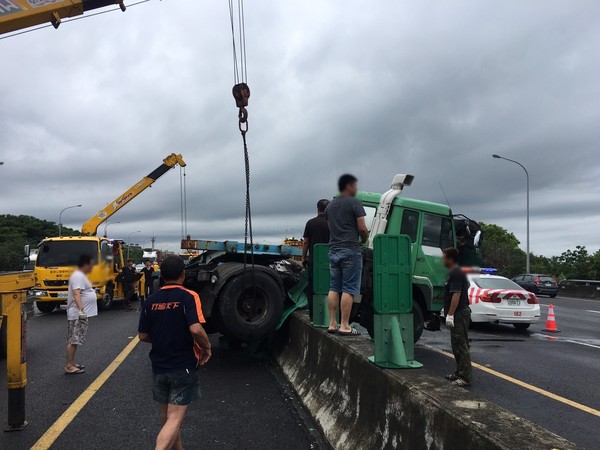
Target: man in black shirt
(148, 272)
(129, 275)
(316, 231)
(458, 317)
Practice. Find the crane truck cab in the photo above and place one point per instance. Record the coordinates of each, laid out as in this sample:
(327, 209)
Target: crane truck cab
(57, 259)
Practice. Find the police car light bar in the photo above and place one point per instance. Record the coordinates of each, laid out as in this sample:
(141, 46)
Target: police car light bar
(482, 270)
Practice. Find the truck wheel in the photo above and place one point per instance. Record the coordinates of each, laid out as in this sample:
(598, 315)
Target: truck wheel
(418, 321)
(46, 307)
(105, 303)
(250, 306)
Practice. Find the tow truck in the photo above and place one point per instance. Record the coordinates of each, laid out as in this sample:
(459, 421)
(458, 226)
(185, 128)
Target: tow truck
(57, 257)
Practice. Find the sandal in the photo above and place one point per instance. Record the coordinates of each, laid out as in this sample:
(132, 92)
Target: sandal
(332, 330)
(75, 372)
(353, 332)
(461, 383)
(79, 366)
(451, 377)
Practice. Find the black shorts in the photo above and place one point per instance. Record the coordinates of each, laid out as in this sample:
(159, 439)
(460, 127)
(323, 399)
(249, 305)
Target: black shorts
(180, 387)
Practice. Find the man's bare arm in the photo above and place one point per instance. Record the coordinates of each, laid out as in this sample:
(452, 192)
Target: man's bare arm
(144, 337)
(201, 338)
(453, 303)
(362, 229)
(77, 299)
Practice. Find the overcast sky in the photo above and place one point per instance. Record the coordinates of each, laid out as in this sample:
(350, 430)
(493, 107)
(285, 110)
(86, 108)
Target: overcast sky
(373, 88)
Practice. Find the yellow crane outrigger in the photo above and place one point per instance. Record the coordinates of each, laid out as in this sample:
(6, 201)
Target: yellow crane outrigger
(19, 14)
(58, 256)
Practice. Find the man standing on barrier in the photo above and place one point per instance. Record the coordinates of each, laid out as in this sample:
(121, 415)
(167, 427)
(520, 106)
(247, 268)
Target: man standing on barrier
(458, 317)
(347, 228)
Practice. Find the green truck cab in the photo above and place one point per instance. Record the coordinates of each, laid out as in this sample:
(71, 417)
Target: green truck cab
(431, 227)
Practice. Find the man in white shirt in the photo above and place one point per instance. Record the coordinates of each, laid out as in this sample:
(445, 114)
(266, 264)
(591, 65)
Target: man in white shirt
(81, 304)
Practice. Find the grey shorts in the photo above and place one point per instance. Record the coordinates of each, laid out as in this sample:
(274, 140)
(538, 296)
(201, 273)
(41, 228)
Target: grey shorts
(77, 331)
(180, 387)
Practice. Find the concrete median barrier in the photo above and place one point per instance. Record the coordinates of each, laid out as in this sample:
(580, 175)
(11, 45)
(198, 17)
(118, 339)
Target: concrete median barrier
(360, 406)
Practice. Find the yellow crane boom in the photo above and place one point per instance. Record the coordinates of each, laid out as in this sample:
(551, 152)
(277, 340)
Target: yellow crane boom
(90, 227)
(19, 14)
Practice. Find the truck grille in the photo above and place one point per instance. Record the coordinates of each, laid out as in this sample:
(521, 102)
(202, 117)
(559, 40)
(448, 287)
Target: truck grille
(56, 282)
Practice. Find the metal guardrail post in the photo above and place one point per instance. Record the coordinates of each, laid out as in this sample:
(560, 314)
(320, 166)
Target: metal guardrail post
(15, 319)
(392, 303)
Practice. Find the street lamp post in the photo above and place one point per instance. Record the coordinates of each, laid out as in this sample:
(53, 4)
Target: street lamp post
(60, 218)
(527, 263)
(106, 224)
(129, 241)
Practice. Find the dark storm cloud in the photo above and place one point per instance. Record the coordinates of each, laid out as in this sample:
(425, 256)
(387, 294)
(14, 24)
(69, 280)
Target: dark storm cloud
(374, 88)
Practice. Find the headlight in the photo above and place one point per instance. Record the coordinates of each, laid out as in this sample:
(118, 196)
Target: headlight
(38, 293)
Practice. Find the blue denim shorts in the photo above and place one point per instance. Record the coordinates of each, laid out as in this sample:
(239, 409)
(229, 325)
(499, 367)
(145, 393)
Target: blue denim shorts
(345, 267)
(180, 387)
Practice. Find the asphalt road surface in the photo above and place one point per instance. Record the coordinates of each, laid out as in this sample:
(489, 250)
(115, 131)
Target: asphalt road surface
(566, 364)
(245, 403)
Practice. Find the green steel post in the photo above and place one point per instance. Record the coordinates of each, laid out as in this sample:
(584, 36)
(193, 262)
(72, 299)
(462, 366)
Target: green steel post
(320, 285)
(392, 285)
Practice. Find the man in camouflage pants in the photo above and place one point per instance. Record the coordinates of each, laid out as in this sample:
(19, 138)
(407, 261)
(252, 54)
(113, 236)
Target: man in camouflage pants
(458, 317)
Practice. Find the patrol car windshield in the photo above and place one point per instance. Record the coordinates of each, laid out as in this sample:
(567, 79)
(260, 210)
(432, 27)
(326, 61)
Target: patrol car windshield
(496, 283)
(65, 253)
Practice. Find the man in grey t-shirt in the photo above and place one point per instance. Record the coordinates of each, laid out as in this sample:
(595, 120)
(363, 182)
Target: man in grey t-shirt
(346, 218)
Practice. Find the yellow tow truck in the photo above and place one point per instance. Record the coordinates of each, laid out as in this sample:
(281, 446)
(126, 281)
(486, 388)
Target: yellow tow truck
(57, 257)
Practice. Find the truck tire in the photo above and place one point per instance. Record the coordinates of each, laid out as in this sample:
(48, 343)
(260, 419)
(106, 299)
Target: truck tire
(250, 306)
(418, 321)
(46, 307)
(105, 303)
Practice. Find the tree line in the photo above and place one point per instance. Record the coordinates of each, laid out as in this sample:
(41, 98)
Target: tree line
(501, 250)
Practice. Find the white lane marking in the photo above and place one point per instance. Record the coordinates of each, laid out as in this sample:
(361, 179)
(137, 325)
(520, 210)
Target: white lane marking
(591, 310)
(559, 339)
(583, 343)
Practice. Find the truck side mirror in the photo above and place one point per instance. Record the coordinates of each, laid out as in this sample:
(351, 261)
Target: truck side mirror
(26, 251)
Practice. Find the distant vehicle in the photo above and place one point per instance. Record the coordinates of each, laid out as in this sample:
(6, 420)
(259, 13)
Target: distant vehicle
(496, 299)
(539, 284)
(139, 267)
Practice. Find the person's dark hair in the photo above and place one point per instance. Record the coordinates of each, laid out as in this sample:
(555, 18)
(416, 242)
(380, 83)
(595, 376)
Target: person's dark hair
(451, 253)
(129, 260)
(171, 268)
(322, 204)
(345, 180)
(84, 260)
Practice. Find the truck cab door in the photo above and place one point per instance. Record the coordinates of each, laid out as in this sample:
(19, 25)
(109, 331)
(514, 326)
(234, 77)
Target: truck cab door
(437, 233)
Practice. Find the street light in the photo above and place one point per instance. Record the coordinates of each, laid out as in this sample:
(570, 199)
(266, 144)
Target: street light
(129, 241)
(106, 224)
(527, 263)
(60, 217)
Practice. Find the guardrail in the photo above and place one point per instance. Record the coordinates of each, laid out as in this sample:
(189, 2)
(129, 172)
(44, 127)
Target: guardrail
(580, 289)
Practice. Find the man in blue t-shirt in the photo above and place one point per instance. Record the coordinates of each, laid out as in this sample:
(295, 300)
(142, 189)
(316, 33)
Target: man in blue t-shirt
(171, 321)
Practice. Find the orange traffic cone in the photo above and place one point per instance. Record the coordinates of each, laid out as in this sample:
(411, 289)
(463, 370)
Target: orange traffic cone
(551, 322)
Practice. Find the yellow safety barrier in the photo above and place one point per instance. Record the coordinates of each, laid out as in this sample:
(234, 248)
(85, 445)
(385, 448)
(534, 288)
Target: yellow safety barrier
(13, 316)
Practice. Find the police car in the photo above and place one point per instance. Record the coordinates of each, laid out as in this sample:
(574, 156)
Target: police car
(497, 299)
